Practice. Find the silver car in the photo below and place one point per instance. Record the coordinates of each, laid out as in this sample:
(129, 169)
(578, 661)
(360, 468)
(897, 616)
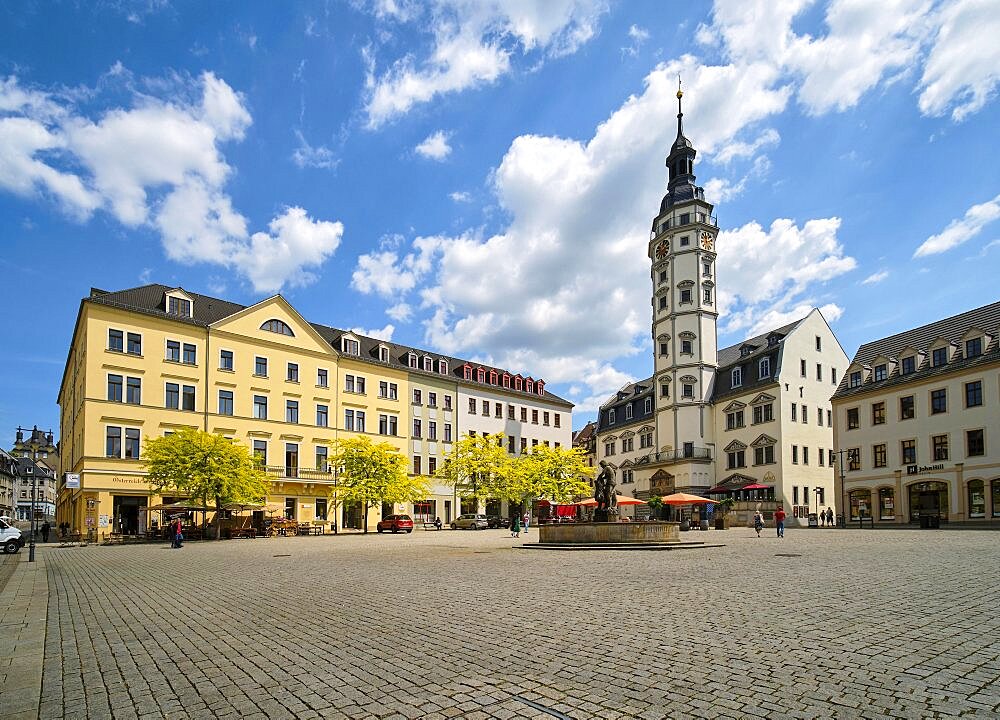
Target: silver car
(471, 521)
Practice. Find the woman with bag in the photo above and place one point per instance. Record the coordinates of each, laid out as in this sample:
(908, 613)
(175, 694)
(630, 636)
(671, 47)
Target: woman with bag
(758, 522)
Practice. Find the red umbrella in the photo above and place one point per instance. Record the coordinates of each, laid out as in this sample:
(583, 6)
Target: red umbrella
(755, 486)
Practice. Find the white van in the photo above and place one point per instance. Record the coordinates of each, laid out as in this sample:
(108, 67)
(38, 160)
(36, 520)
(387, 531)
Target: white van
(11, 539)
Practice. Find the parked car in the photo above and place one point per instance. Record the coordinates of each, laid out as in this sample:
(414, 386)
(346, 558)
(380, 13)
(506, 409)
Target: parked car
(496, 521)
(11, 539)
(470, 521)
(395, 523)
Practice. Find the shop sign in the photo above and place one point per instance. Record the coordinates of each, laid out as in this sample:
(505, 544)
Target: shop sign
(102, 521)
(918, 469)
(72, 480)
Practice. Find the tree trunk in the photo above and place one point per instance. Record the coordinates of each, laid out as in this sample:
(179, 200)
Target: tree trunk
(366, 517)
(218, 519)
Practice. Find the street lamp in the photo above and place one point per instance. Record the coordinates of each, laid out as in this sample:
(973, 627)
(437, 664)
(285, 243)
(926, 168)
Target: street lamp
(39, 442)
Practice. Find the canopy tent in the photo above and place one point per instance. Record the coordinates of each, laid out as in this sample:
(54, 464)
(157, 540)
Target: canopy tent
(686, 499)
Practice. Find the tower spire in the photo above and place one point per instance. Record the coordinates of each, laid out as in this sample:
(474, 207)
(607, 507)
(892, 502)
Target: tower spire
(680, 112)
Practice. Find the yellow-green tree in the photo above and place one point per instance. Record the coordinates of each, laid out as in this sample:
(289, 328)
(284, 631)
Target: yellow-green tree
(374, 473)
(478, 467)
(205, 466)
(554, 473)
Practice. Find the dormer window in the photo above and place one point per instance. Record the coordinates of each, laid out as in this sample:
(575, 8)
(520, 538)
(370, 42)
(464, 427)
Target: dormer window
(277, 326)
(764, 369)
(973, 347)
(518, 383)
(178, 306)
(480, 375)
(772, 339)
(540, 387)
(467, 372)
(349, 346)
(493, 377)
(881, 372)
(505, 381)
(737, 377)
(383, 353)
(855, 380)
(939, 356)
(529, 385)
(611, 416)
(908, 365)
(428, 363)
(443, 367)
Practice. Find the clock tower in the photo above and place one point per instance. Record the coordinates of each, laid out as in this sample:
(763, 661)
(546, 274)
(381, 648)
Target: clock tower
(683, 273)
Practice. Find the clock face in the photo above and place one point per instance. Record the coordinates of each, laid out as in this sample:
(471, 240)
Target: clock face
(662, 249)
(707, 241)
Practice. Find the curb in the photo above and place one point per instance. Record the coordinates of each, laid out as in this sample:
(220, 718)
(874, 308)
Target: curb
(24, 603)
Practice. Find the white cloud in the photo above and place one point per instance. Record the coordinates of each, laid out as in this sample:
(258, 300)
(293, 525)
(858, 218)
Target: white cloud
(775, 318)
(473, 42)
(379, 334)
(400, 312)
(460, 196)
(308, 156)
(963, 67)
(157, 164)
(435, 146)
(962, 229)
(638, 36)
(875, 278)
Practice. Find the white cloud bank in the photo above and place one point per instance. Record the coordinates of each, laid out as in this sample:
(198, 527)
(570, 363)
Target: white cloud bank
(435, 146)
(472, 44)
(157, 164)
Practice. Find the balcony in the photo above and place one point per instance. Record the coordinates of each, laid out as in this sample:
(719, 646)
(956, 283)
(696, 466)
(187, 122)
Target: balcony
(296, 473)
(688, 454)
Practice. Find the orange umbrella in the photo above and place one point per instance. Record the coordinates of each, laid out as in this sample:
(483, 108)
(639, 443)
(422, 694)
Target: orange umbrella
(621, 500)
(685, 499)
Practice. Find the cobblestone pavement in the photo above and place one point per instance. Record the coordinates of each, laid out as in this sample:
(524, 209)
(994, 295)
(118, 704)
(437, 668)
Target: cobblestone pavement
(822, 624)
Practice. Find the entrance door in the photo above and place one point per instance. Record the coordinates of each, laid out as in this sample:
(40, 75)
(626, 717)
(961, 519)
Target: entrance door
(928, 499)
(126, 514)
(447, 512)
(352, 516)
(291, 460)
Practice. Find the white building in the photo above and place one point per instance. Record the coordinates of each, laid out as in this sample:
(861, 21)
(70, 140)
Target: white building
(916, 418)
(713, 421)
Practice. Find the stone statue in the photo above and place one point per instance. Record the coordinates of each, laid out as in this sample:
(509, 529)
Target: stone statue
(604, 493)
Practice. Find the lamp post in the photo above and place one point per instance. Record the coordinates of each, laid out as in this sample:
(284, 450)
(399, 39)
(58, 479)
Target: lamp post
(39, 442)
(844, 509)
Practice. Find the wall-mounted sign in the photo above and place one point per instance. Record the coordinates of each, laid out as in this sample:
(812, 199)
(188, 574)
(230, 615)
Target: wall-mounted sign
(72, 480)
(918, 469)
(102, 521)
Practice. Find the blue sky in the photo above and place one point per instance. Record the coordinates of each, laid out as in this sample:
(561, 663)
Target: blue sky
(479, 177)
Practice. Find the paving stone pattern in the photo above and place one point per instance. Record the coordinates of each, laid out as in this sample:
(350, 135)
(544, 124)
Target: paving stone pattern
(855, 624)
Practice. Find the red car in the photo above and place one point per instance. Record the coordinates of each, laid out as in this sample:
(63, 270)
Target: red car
(395, 523)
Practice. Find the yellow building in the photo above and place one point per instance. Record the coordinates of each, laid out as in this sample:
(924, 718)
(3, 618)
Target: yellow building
(149, 360)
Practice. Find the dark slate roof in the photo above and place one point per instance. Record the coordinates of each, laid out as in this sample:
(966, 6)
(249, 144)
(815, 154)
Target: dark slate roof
(149, 300)
(635, 393)
(952, 329)
(729, 356)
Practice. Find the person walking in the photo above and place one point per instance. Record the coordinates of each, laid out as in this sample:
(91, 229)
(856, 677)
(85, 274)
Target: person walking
(515, 527)
(829, 516)
(178, 534)
(779, 521)
(758, 522)
(45, 531)
(527, 520)
(822, 518)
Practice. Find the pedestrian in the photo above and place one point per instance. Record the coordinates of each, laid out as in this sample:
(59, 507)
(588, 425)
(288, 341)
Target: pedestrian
(515, 527)
(437, 523)
(45, 531)
(527, 520)
(758, 522)
(178, 534)
(779, 521)
(822, 519)
(829, 516)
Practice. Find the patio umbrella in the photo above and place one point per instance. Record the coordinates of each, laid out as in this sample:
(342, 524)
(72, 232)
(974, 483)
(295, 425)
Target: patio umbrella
(755, 486)
(686, 499)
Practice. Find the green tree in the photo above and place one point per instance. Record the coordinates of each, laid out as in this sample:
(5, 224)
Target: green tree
(374, 473)
(205, 466)
(478, 467)
(555, 473)
(655, 503)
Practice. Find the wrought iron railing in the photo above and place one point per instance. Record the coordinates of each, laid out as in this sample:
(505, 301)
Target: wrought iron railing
(297, 472)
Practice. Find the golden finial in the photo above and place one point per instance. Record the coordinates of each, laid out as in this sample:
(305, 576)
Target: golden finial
(680, 93)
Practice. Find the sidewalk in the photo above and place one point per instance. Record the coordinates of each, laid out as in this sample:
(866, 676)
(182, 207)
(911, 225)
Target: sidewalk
(24, 602)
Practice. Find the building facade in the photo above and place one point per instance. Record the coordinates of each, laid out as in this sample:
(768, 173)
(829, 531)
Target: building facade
(152, 359)
(9, 482)
(712, 422)
(916, 419)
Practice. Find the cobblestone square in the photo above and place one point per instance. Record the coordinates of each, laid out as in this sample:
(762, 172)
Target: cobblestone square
(822, 624)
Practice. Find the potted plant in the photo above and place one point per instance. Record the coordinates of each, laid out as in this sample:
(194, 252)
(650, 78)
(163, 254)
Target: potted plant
(655, 504)
(722, 519)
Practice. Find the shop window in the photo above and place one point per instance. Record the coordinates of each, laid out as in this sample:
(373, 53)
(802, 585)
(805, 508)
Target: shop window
(861, 503)
(886, 504)
(977, 499)
(996, 497)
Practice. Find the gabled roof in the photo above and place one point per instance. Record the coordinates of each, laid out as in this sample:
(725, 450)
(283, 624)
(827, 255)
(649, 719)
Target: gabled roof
(731, 355)
(206, 310)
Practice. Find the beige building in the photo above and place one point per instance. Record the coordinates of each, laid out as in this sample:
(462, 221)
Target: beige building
(710, 421)
(146, 361)
(917, 424)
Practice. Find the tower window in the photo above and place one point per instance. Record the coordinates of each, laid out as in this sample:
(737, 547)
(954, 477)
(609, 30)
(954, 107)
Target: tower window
(664, 349)
(685, 241)
(685, 295)
(687, 347)
(707, 294)
(663, 302)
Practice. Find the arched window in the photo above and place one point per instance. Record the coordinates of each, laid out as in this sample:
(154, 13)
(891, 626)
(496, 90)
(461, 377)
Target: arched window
(977, 499)
(996, 497)
(277, 326)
